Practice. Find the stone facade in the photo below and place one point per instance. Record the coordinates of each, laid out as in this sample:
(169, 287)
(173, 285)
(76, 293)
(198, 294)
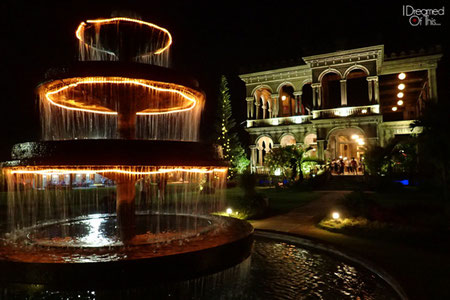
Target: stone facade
(319, 104)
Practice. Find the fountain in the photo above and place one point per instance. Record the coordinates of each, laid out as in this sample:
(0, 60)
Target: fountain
(118, 117)
(116, 200)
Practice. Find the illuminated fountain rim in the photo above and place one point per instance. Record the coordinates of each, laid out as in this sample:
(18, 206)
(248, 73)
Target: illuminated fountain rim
(83, 25)
(217, 252)
(53, 93)
(122, 154)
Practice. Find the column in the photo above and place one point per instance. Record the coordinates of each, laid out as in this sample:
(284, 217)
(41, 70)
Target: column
(314, 94)
(249, 107)
(253, 153)
(320, 149)
(376, 90)
(298, 102)
(319, 98)
(432, 85)
(257, 108)
(275, 105)
(370, 88)
(343, 92)
(264, 108)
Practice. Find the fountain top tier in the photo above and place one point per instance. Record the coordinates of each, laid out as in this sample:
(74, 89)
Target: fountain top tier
(121, 74)
(123, 39)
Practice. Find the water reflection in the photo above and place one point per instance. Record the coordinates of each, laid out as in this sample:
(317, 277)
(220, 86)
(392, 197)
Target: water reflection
(277, 270)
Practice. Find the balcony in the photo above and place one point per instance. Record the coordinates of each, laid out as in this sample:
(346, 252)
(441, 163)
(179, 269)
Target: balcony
(339, 112)
(346, 112)
(279, 121)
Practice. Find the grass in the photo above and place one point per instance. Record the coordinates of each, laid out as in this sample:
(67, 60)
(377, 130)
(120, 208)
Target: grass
(276, 201)
(415, 217)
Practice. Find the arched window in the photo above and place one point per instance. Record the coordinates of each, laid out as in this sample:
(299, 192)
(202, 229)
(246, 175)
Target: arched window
(307, 100)
(331, 90)
(357, 88)
(264, 145)
(287, 101)
(287, 140)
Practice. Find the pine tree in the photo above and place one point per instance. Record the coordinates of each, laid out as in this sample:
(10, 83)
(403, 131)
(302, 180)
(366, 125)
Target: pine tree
(226, 137)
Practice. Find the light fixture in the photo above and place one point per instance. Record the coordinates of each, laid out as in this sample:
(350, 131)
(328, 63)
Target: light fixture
(335, 215)
(355, 137)
(283, 98)
(229, 211)
(394, 108)
(400, 95)
(364, 111)
(360, 142)
(401, 86)
(400, 102)
(401, 76)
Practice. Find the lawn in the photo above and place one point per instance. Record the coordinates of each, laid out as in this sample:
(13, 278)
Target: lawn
(277, 201)
(415, 217)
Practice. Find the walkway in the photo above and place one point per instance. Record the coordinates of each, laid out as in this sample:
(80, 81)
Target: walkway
(423, 273)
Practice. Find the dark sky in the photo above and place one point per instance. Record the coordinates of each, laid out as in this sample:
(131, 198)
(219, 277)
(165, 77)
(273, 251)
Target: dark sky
(210, 38)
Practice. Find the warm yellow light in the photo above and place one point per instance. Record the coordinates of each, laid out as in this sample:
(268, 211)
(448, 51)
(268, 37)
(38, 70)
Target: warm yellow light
(82, 26)
(283, 98)
(91, 171)
(400, 102)
(400, 95)
(335, 215)
(119, 80)
(364, 111)
(394, 108)
(401, 86)
(360, 142)
(355, 137)
(401, 76)
(229, 211)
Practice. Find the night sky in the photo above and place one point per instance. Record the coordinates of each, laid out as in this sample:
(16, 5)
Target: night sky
(210, 38)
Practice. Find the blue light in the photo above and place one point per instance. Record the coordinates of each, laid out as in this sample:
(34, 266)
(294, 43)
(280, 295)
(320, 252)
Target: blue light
(403, 182)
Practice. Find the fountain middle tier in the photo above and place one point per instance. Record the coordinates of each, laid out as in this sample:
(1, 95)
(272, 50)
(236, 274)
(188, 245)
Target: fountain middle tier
(124, 90)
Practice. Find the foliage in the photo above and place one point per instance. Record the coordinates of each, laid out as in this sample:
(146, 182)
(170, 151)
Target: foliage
(290, 161)
(434, 144)
(226, 135)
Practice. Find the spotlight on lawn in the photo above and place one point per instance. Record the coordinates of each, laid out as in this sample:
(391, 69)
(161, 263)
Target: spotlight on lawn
(229, 211)
(336, 215)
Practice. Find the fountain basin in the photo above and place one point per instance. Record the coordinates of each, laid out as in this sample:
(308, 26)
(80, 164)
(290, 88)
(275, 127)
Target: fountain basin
(225, 243)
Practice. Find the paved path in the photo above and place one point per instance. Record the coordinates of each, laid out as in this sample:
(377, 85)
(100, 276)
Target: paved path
(415, 269)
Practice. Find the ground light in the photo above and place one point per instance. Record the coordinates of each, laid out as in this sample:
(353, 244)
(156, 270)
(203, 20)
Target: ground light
(229, 211)
(336, 215)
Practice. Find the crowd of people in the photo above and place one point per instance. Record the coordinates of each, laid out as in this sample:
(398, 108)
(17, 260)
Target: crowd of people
(345, 166)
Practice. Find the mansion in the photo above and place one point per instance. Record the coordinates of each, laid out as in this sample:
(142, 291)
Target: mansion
(338, 103)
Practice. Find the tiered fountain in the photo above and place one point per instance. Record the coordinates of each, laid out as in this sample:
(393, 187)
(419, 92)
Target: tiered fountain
(119, 127)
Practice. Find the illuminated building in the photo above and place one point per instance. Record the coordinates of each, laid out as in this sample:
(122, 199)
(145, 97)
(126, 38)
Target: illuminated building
(333, 96)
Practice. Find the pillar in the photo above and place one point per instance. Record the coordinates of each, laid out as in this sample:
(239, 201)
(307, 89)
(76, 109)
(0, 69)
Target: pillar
(370, 89)
(376, 90)
(298, 102)
(343, 92)
(314, 94)
(432, 85)
(275, 105)
(253, 154)
(319, 98)
(257, 108)
(125, 208)
(250, 110)
(321, 149)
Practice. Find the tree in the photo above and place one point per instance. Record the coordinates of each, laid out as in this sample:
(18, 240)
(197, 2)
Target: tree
(288, 160)
(226, 136)
(434, 143)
